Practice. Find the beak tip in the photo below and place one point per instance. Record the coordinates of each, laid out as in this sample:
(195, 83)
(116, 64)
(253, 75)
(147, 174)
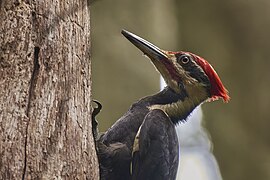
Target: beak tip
(124, 32)
(130, 36)
(146, 47)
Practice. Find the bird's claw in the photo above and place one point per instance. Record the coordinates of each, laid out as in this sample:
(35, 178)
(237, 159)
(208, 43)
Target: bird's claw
(95, 112)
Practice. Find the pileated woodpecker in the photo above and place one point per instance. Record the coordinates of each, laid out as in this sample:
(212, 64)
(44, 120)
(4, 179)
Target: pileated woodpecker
(143, 143)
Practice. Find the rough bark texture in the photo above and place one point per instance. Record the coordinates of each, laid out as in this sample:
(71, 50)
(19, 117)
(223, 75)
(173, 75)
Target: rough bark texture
(45, 90)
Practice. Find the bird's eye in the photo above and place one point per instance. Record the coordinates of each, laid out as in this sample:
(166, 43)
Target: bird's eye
(184, 59)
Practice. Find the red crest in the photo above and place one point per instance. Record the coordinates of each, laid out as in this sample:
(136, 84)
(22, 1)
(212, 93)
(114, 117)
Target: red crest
(217, 88)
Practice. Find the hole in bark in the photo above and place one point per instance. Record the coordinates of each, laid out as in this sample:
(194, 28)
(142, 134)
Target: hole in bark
(34, 16)
(36, 53)
(16, 3)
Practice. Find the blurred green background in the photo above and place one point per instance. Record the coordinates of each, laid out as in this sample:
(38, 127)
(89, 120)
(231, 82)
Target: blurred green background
(233, 35)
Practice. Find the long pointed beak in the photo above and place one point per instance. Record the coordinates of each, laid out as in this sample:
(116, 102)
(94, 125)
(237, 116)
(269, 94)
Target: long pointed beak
(152, 51)
(161, 59)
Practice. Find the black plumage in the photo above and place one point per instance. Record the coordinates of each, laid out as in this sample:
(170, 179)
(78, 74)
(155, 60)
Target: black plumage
(157, 156)
(157, 140)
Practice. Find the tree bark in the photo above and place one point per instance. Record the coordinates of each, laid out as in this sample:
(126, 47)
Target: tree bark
(45, 90)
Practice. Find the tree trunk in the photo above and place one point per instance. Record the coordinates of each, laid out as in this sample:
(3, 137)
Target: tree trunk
(45, 90)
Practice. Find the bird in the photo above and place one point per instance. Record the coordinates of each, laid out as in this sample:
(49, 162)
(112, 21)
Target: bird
(142, 144)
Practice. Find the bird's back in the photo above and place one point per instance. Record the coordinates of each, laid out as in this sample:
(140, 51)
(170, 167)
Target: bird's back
(115, 146)
(125, 129)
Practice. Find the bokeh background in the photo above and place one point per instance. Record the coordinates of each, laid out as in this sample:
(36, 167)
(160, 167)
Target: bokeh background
(233, 35)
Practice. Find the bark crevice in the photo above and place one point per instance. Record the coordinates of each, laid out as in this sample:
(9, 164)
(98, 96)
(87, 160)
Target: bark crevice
(33, 79)
(32, 86)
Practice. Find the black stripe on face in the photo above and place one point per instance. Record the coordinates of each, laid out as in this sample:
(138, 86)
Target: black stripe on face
(194, 70)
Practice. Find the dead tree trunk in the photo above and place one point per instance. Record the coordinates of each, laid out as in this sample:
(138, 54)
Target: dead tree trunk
(45, 90)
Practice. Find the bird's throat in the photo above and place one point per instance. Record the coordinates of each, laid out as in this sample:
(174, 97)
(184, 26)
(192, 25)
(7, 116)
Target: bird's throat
(178, 110)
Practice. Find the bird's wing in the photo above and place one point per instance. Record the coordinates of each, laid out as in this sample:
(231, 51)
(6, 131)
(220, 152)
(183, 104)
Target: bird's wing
(155, 149)
(114, 161)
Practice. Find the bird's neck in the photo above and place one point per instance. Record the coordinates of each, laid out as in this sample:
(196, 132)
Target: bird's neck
(176, 105)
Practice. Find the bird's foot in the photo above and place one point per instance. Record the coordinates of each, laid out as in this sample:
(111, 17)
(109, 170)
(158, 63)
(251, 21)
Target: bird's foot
(95, 112)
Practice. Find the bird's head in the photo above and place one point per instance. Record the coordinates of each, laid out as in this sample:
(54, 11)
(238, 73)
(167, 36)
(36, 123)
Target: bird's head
(183, 71)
